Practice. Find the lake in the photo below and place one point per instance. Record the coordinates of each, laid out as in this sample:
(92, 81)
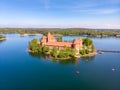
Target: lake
(20, 70)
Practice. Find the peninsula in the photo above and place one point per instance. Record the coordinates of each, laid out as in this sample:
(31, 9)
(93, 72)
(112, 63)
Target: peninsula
(62, 50)
(2, 37)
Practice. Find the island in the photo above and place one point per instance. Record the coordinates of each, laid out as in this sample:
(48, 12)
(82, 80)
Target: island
(2, 38)
(49, 45)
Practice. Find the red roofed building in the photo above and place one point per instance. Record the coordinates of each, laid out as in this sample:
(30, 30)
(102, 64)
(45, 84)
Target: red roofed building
(51, 42)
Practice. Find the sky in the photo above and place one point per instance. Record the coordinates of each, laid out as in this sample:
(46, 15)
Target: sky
(60, 14)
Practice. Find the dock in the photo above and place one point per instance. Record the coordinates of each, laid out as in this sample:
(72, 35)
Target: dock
(112, 51)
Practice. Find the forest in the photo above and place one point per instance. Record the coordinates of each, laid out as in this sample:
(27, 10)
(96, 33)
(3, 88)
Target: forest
(63, 31)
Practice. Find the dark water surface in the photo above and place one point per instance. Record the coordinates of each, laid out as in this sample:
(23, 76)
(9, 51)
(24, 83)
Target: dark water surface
(21, 71)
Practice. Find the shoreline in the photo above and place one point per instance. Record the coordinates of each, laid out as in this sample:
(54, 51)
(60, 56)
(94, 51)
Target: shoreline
(80, 56)
(1, 39)
(89, 55)
(30, 34)
(63, 58)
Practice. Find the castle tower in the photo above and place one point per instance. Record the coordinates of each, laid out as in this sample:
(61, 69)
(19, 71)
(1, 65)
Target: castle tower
(50, 38)
(77, 45)
(43, 40)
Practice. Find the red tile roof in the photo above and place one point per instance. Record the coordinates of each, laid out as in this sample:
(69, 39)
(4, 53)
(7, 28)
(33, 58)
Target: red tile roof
(60, 44)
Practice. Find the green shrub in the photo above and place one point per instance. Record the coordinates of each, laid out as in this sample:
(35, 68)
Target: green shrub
(63, 54)
(86, 51)
(87, 41)
(59, 39)
(54, 52)
(82, 52)
(45, 49)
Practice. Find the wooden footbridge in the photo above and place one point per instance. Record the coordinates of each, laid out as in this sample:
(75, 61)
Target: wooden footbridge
(112, 51)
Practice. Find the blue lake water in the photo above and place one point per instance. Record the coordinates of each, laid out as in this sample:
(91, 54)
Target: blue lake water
(20, 70)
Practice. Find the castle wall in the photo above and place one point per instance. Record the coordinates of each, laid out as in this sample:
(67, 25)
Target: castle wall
(77, 45)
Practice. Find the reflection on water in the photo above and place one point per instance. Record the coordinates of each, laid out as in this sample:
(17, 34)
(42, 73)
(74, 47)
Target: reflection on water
(73, 61)
(63, 62)
(2, 41)
(88, 59)
(70, 61)
(39, 56)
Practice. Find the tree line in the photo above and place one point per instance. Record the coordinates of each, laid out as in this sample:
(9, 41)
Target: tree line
(59, 31)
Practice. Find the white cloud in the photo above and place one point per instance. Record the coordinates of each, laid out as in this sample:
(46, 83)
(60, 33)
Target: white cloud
(98, 11)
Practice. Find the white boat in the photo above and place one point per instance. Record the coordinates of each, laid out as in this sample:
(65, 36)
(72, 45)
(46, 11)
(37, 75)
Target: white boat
(77, 72)
(113, 69)
(100, 52)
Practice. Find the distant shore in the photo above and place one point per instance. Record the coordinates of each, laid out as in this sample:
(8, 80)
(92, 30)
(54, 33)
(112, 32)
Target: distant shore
(84, 35)
(29, 34)
(64, 32)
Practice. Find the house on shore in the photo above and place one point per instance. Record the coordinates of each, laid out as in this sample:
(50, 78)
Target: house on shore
(50, 41)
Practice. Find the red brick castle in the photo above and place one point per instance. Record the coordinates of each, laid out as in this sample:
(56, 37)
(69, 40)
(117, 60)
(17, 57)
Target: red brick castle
(51, 42)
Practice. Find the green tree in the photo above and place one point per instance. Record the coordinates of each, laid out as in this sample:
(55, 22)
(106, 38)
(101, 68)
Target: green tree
(86, 51)
(34, 46)
(82, 52)
(87, 41)
(34, 41)
(45, 49)
(70, 51)
(54, 52)
(59, 39)
(40, 49)
(63, 54)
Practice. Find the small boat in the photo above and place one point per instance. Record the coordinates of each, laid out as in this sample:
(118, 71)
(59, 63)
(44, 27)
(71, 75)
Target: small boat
(100, 52)
(77, 72)
(113, 69)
